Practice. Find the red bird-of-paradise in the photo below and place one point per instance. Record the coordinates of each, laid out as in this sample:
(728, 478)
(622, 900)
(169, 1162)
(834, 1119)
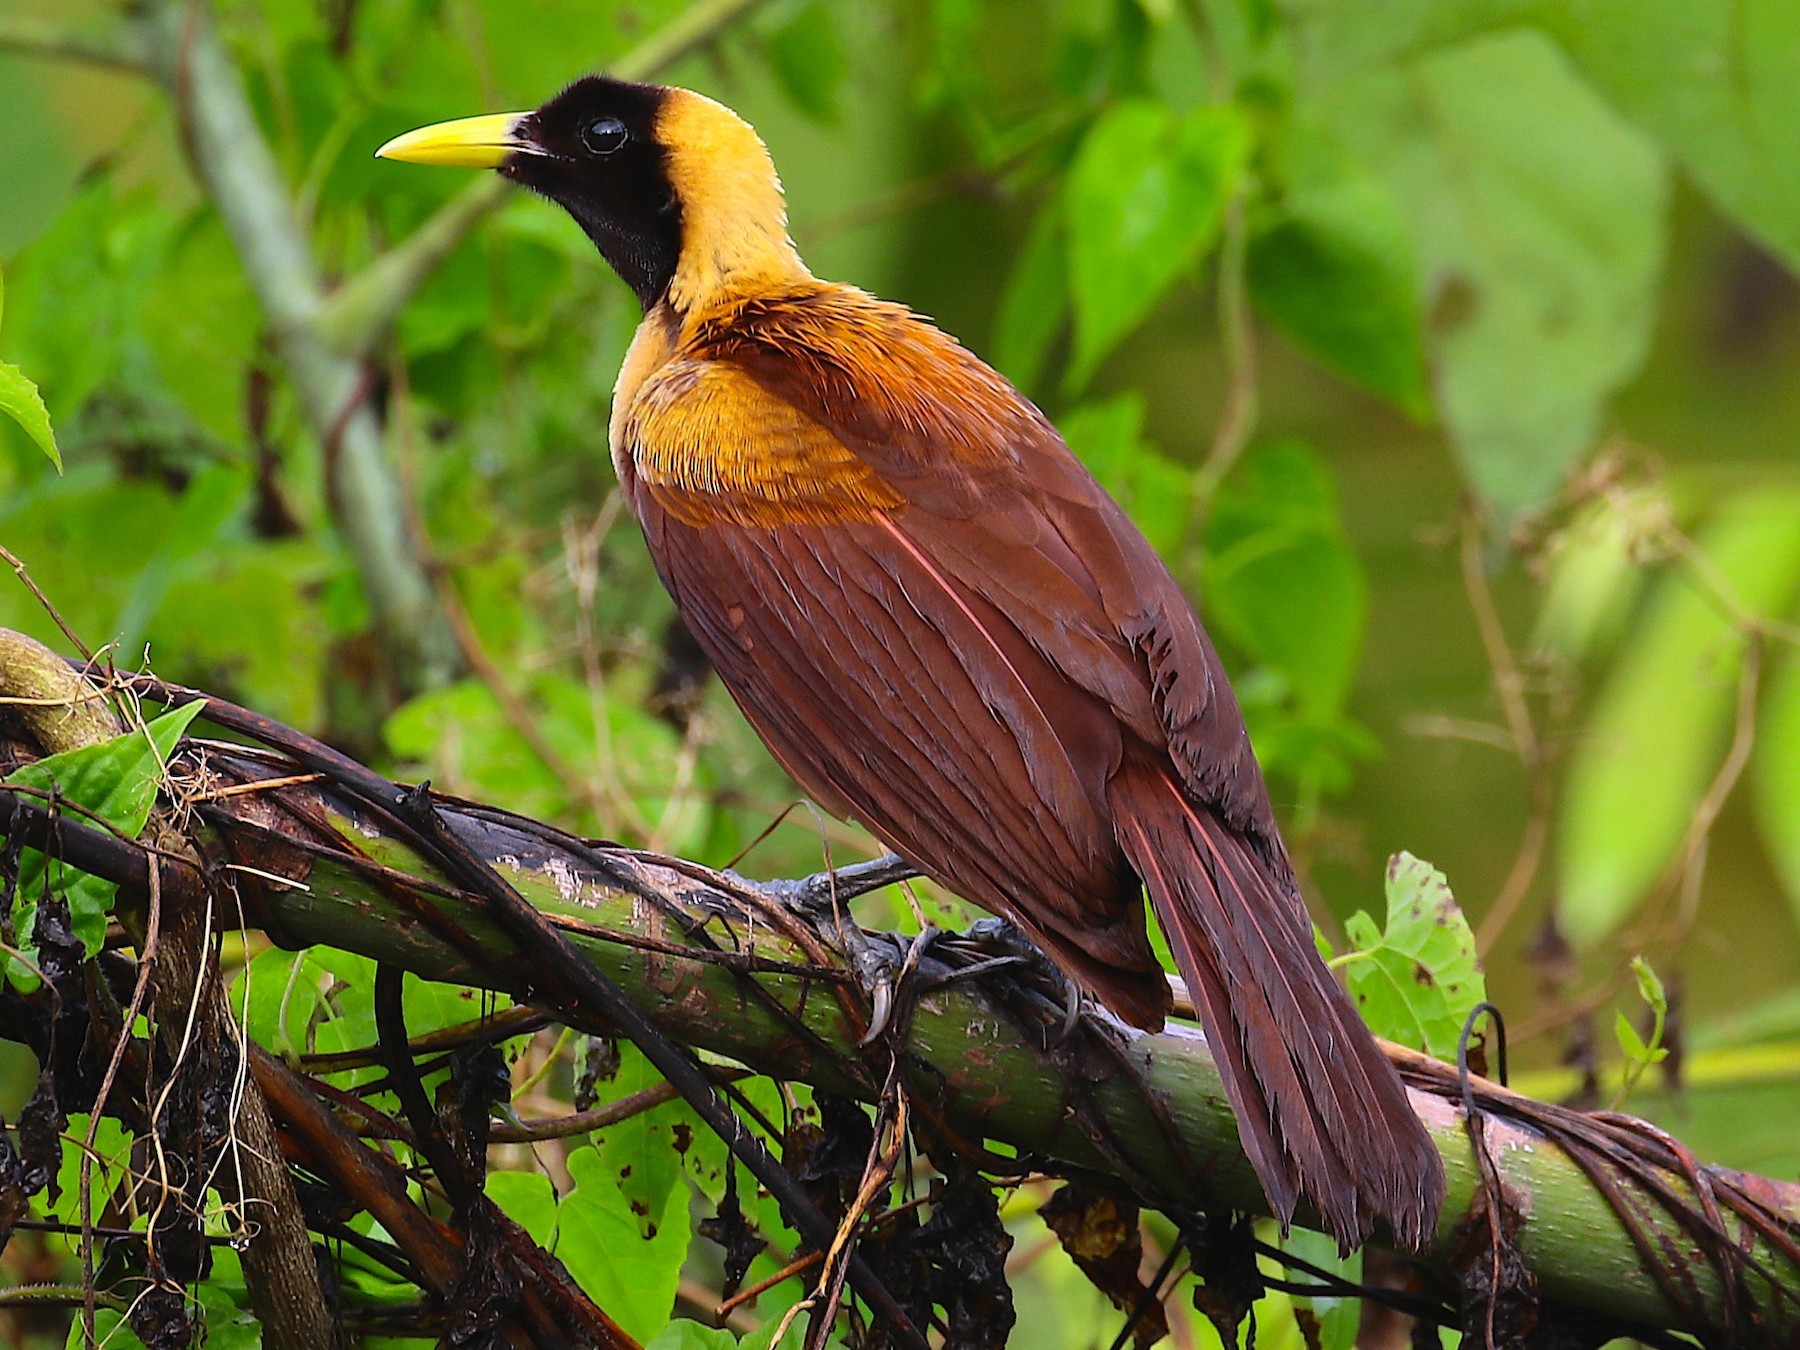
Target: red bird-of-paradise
(943, 627)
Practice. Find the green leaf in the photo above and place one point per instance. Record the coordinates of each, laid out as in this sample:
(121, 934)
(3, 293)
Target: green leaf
(1713, 80)
(1775, 772)
(1337, 270)
(1540, 219)
(277, 996)
(1338, 1318)
(1034, 302)
(682, 1334)
(1661, 724)
(1157, 492)
(1143, 199)
(1629, 1040)
(639, 1152)
(110, 1330)
(1416, 980)
(808, 60)
(19, 400)
(599, 1240)
(1281, 581)
(116, 781)
(111, 1165)
(528, 1199)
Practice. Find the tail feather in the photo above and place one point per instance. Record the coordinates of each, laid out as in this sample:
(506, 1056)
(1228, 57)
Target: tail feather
(1322, 1115)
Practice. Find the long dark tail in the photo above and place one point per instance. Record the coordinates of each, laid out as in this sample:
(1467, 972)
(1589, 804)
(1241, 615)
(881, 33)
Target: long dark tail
(1321, 1113)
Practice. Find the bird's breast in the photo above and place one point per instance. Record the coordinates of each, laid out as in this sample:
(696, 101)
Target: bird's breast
(712, 444)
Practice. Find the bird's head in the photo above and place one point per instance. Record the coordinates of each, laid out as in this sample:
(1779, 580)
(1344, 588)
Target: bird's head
(677, 191)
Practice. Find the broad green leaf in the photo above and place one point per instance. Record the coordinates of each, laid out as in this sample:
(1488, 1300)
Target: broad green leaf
(1775, 771)
(1594, 579)
(1034, 303)
(110, 1329)
(1539, 214)
(20, 400)
(1143, 199)
(682, 1334)
(528, 1199)
(598, 1239)
(1281, 581)
(1157, 492)
(1714, 81)
(639, 1153)
(229, 1325)
(276, 997)
(111, 1165)
(1339, 1318)
(116, 781)
(1660, 726)
(1416, 980)
(808, 60)
(1335, 267)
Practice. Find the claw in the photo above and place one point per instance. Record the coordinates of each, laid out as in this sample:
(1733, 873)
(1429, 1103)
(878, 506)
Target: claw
(883, 995)
(1071, 1012)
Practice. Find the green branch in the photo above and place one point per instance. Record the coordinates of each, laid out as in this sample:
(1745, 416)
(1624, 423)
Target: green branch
(117, 47)
(233, 161)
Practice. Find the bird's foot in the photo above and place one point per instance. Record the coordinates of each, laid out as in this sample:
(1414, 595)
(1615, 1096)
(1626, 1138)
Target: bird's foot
(821, 900)
(1035, 974)
(888, 985)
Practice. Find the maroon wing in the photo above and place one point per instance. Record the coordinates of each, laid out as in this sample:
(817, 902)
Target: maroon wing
(989, 666)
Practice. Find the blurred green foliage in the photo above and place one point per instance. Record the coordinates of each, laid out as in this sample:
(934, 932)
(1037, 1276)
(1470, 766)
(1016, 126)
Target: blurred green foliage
(1303, 284)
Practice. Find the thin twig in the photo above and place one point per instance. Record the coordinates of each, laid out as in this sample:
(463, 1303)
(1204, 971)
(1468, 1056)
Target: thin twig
(1526, 742)
(1237, 339)
(585, 1122)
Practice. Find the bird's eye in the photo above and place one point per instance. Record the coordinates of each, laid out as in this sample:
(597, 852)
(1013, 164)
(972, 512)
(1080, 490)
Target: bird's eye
(605, 136)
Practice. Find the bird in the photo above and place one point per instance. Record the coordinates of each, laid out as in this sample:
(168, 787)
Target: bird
(943, 627)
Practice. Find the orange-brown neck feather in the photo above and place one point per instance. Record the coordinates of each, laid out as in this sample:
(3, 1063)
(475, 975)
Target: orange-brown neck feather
(734, 219)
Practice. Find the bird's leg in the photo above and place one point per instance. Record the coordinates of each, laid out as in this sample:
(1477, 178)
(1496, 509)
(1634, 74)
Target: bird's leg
(821, 898)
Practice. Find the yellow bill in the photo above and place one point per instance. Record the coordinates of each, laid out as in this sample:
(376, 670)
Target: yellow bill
(468, 142)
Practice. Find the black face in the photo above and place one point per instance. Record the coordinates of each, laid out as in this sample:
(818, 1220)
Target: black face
(594, 152)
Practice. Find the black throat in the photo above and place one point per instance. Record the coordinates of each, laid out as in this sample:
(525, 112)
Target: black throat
(617, 189)
(644, 251)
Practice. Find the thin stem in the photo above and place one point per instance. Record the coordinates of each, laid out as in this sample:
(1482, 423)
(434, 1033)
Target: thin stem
(1509, 683)
(1237, 337)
